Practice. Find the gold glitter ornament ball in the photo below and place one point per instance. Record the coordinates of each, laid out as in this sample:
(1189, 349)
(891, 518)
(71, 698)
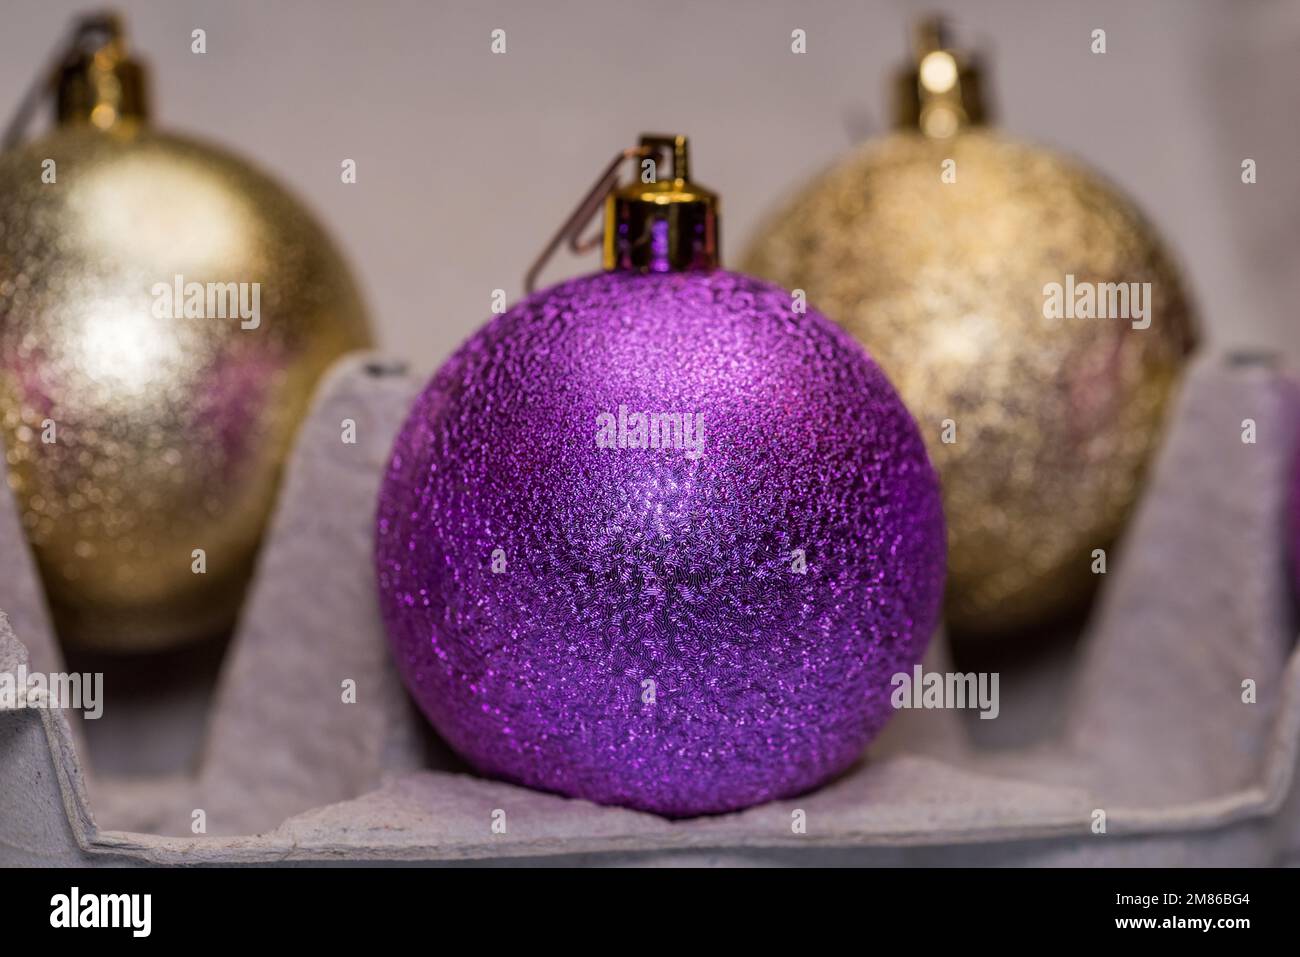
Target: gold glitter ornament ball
(135, 438)
(1041, 429)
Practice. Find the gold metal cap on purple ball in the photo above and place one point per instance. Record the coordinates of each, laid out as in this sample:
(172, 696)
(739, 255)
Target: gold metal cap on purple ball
(662, 224)
(654, 224)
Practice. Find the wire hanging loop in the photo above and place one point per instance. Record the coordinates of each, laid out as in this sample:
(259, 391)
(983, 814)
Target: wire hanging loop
(87, 34)
(571, 231)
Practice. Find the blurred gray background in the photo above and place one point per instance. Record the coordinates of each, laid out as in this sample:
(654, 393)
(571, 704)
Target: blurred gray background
(468, 161)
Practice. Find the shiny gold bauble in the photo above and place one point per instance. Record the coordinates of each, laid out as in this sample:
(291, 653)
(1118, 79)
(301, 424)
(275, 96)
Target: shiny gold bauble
(135, 438)
(944, 282)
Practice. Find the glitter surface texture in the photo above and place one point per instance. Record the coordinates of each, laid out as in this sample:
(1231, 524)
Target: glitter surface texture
(631, 625)
(1055, 419)
(169, 432)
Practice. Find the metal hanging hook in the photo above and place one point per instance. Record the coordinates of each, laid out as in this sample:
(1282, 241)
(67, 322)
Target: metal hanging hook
(102, 27)
(571, 231)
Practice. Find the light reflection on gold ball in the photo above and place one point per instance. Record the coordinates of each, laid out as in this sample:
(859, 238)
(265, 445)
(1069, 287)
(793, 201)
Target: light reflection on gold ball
(168, 433)
(943, 282)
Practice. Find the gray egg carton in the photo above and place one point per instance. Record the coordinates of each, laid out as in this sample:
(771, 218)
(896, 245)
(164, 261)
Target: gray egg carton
(1146, 717)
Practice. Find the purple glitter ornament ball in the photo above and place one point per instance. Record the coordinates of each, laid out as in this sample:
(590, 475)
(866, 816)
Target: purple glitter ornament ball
(659, 540)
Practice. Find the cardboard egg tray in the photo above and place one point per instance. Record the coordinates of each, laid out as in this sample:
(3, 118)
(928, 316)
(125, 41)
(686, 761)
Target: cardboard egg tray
(1142, 718)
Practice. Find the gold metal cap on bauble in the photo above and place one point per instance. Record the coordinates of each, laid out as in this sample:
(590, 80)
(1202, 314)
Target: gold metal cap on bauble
(941, 91)
(101, 85)
(662, 224)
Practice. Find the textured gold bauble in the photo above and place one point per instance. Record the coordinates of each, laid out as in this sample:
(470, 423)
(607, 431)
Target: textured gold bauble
(943, 281)
(134, 438)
